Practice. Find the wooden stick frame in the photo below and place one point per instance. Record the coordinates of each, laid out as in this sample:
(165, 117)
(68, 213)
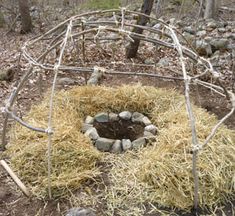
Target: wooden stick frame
(79, 28)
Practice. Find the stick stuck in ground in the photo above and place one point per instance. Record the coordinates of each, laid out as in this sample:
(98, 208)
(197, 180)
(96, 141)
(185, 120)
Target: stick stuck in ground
(15, 178)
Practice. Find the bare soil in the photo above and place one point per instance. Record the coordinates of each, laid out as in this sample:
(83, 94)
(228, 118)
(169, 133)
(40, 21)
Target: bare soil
(121, 129)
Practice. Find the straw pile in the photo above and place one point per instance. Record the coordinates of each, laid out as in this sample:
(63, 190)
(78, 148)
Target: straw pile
(161, 173)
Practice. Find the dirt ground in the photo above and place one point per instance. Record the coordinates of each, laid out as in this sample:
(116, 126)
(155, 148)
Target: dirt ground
(12, 201)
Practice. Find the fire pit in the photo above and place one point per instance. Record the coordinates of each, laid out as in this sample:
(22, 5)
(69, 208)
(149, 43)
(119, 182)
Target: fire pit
(116, 133)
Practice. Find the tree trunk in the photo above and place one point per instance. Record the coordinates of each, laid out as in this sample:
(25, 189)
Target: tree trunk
(25, 16)
(132, 49)
(2, 20)
(159, 6)
(201, 8)
(212, 9)
(65, 3)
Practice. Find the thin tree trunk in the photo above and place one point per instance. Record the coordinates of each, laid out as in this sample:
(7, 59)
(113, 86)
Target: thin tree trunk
(200, 12)
(159, 6)
(212, 9)
(2, 20)
(25, 16)
(65, 3)
(132, 49)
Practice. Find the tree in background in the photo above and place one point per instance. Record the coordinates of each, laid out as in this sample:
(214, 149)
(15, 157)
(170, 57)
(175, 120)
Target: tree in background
(65, 3)
(212, 9)
(25, 16)
(146, 8)
(2, 20)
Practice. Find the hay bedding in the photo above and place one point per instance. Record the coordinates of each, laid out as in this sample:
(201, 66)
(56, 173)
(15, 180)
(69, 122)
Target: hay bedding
(160, 173)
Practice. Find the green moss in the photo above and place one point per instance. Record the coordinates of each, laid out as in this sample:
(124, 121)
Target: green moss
(2, 21)
(101, 4)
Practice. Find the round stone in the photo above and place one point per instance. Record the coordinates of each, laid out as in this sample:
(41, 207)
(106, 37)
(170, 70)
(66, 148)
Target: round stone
(92, 133)
(126, 115)
(102, 117)
(80, 212)
(113, 117)
(89, 120)
(117, 147)
(85, 127)
(137, 117)
(151, 128)
(148, 134)
(139, 143)
(146, 121)
(104, 144)
(126, 144)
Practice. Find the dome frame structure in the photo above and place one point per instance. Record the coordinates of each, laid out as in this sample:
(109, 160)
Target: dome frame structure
(90, 27)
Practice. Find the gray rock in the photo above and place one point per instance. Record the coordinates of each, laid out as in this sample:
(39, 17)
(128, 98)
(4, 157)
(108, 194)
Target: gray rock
(208, 39)
(229, 28)
(231, 36)
(113, 117)
(139, 143)
(149, 62)
(189, 29)
(102, 117)
(231, 47)
(203, 48)
(104, 144)
(89, 120)
(212, 24)
(163, 62)
(85, 127)
(221, 30)
(148, 134)
(201, 26)
(93, 81)
(117, 147)
(126, 144)
(219, 44)
(157, 26)
(137, 117)
(222, 24)
(95, 77)
(172, 21)
(151, 128)
(66, 81)
(189, 37)
(201, 33)
(126, 115)
(80, 212)
(146, 121)
(92, 133)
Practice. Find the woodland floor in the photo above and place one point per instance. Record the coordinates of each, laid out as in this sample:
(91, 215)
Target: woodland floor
(12, 201)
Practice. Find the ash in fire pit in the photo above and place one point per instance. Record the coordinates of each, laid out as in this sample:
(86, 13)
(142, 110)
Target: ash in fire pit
(117, 133)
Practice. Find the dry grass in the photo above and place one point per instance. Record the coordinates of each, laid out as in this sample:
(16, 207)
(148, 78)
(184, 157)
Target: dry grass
(160, 173)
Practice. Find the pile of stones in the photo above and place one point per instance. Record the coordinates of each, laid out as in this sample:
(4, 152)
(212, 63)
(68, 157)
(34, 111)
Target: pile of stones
(211, 36)
(105, 144)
